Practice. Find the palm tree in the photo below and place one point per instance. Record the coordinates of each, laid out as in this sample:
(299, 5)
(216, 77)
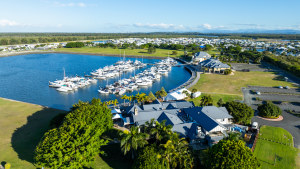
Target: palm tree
(124, 97)
(158, 131)
(186, 93)
(132, 140)
(176, 153)
(206, 100)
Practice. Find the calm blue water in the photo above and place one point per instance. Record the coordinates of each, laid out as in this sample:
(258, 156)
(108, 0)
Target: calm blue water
(25, 78)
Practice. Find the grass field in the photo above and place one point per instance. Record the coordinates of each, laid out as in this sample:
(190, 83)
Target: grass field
(21, 127)
(136, 52)
(274, 155)
(232, 84)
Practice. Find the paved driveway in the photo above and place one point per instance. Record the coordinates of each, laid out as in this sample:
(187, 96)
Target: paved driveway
(290, 123)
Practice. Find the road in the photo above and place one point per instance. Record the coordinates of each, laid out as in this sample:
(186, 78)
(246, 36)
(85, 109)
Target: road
(290, 122)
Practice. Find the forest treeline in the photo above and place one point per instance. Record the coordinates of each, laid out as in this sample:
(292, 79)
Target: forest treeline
(29, 38)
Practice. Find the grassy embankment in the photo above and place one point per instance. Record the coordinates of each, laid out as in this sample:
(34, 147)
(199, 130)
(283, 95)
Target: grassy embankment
(23, 125)
(111, 51)
(228, 87)
(275, 155)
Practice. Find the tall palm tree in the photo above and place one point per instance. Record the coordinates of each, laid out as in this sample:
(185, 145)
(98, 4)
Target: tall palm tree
(160, 132)
(176, 153)
(132, 140)
(124, 97)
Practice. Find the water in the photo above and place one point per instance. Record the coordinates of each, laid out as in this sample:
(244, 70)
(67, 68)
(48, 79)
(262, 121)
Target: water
(25, 78)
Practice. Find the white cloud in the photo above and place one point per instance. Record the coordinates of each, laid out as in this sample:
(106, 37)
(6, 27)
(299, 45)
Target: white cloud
(207, 26)
(160, 26)
(5, 22)
(71, 4)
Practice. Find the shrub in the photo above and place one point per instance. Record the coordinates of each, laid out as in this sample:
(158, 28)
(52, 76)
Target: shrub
(75, 45)
(241, 112)
(227, 71)
(269, 110)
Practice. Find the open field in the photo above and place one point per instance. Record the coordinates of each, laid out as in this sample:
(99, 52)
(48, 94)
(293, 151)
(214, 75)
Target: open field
(275, 155)
(111, 51)
(216, 98)
(22, 126)
(232, 84)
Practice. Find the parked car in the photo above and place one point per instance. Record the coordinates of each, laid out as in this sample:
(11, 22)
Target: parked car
(287, 87)
(254, 125)
(258, 92)
(280, 87)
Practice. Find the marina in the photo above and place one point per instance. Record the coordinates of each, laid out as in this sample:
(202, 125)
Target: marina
(26, 78)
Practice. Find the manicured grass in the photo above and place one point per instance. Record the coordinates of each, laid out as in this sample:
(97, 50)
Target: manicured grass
(136, 52)
(232, 84)
(21, 127)
(274, 155)
(216, 98)
(214, 51)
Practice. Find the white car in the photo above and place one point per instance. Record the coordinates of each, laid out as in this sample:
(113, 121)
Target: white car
(254, 125)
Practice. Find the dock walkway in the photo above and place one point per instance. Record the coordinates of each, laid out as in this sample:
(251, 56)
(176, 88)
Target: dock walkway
(193, 79)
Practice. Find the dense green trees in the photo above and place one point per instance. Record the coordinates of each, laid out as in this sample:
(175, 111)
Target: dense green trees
(76, 142)
(161, 93)
(206, 101)
(163, 148)
(133, 140)
(151, 50)
(148, 158)
(269, 110)
(75, 45)
(151, 96)
(241, 112)
(231, 154)
(288, 63)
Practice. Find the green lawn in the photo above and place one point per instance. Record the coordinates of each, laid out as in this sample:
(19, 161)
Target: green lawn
(216, 98)
(136, 52)
(21, 127)
(274, 155)
(232, 84)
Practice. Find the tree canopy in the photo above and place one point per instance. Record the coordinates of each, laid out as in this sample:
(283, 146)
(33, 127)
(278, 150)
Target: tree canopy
(241, 112)
(75, 45)
(206, 101)
(231, 154)
(76, 142)
(269, 110)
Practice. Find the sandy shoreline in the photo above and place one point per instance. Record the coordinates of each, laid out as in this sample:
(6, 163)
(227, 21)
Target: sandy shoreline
(81, 53)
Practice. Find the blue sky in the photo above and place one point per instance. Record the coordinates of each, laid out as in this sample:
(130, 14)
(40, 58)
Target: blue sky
(147, 16)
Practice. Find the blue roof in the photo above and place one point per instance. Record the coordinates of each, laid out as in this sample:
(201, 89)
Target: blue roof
(206, 116)
(171, 119)
(213, 63)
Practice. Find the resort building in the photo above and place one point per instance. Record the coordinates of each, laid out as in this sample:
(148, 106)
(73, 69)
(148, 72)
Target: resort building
(200, 125)
(213, 66)
(201, 56)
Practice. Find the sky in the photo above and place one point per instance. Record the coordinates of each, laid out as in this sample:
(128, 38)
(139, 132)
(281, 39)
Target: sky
(148, 16)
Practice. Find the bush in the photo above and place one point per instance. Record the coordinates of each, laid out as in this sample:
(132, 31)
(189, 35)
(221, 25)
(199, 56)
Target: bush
(75, 45)
(241, 112)
(174, 53)
(227, 71)
(269, 110)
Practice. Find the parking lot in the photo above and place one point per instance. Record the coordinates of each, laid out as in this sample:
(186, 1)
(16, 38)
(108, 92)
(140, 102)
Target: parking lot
(286, 99)
(250, 67)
